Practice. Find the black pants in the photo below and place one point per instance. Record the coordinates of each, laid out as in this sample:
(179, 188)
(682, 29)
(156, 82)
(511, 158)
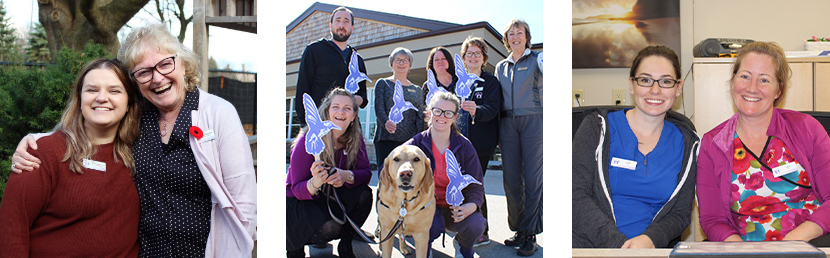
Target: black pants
(305, 217)
(484, 159)
(382, 149)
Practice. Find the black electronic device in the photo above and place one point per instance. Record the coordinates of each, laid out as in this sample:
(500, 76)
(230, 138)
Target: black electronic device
(719, 47)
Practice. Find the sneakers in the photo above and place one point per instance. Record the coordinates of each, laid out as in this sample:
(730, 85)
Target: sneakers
(516, 240)
(528, 247)
(483, 240)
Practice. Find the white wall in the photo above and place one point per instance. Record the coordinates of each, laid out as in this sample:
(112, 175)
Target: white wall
(789, 23)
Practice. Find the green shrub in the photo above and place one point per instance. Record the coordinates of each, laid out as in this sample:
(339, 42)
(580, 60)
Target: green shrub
(32, 99)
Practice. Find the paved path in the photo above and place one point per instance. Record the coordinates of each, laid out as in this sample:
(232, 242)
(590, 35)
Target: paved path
(498, 230)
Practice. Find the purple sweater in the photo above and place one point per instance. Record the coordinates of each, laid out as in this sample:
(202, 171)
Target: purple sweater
(467, 159)
(801, 133)
(299, 171)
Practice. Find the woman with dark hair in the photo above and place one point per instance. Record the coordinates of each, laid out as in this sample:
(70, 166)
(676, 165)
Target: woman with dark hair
(634, 169)
(307, 214)
(441, 64)
(762, 172)
(81, 201)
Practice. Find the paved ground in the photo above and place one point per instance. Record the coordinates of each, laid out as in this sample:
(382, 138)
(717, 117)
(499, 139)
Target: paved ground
(498, 230)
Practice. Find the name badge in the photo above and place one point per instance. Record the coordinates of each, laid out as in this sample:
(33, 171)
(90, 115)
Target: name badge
(411, 90)
(479, 89)
(209, 135)
(522, 68)
(623, 163)
(785, 169)
(95, 165)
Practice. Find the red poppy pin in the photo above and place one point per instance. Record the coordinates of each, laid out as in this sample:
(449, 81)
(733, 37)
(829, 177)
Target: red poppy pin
(196, 132)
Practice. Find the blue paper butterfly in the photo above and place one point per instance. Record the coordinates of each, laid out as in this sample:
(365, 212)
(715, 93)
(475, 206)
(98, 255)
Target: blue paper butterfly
(458, 181)
(432, 86)
(396, 113)
(465, 80)
(355, 75)
(314, 145)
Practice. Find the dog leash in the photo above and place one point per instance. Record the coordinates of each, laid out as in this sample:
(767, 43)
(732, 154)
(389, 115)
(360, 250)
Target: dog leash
(329, 191)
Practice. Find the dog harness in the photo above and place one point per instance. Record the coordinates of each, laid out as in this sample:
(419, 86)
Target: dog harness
(399, 224)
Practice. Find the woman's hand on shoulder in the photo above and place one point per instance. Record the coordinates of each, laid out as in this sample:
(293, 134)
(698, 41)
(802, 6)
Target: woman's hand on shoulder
(22, 160)
(638, 242)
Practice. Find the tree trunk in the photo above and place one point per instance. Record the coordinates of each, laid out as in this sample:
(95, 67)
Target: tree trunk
(72, 23)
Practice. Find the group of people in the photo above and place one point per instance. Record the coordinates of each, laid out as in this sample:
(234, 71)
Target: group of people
(507, 104)
(142, 164)
(757, 176)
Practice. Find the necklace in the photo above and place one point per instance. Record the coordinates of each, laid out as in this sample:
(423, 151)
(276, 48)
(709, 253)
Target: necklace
(164, 129)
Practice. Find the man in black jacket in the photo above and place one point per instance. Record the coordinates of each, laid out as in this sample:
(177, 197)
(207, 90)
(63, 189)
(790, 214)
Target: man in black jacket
(325, 63)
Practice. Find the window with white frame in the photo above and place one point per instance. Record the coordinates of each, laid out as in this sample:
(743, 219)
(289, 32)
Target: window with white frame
(293, 120)
(367, 116)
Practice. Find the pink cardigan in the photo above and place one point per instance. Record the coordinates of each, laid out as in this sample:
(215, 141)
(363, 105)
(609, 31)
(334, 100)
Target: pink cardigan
(229, 174)
(808, 142)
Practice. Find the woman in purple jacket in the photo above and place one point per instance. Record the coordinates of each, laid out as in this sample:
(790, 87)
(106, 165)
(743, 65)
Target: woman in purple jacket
(441, 135)
(307, 213)
(762, 174)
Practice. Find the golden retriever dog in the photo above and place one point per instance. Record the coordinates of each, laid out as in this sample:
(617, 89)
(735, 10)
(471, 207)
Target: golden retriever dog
(406, 180)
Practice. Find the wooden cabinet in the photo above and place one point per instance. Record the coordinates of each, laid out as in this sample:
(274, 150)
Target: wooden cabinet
(822, 82)
(809, 89)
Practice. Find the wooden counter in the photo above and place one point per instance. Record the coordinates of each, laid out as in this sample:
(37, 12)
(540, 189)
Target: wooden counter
(646, 253)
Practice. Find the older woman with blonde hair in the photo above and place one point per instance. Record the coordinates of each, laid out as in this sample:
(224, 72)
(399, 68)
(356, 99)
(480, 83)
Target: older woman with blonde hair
(760, 173)
(194, 168)
(81, 201)
(520, 133)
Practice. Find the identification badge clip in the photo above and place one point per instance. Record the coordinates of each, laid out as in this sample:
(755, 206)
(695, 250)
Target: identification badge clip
(623, 163)
(95, 165)
(785, 169)
(209, 135)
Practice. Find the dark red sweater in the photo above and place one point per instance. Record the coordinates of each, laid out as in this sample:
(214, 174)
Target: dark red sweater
(53, 212)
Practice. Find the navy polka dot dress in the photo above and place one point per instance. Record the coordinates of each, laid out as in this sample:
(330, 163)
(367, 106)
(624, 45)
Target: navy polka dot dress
(175, 200)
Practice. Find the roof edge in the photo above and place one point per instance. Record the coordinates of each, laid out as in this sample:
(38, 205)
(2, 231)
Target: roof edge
(409, 21)
(482, 24)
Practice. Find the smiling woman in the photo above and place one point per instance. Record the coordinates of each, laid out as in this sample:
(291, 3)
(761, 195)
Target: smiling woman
(622, 199)
(343, 165)
(85, 182)
(206, 195)
(788, 150)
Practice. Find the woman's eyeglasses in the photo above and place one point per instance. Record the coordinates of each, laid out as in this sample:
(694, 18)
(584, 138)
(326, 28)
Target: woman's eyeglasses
(473, 54)
(666, 83)
(441, 112)
(164, 67)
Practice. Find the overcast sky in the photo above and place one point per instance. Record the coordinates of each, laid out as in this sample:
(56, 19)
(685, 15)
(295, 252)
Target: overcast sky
(226, 46)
